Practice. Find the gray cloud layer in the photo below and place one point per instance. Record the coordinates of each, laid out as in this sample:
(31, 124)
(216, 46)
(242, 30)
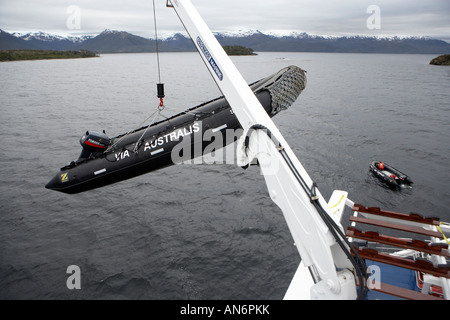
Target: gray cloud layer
(321, 17)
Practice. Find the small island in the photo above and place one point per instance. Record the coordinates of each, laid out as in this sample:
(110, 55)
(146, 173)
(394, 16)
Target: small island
(239, 51)
(443, 60)
(17, 55)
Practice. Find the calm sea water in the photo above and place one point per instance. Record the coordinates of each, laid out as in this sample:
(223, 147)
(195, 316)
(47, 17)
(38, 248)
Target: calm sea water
(201, 231)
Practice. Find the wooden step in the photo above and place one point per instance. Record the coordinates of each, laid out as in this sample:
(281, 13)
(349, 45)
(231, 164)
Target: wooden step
(417, 245)
(414, 217)
(396, 226)
(402, 293)
(418, 265)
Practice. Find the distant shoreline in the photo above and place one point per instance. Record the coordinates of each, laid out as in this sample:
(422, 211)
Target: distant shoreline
(123, 42)
(443, 60)
(24, 55)
(239, 51)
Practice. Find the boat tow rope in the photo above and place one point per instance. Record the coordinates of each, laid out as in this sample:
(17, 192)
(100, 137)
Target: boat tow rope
(137, 145)
(357, 262)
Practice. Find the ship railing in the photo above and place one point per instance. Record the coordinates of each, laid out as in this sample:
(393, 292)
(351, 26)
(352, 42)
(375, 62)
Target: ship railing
(405, 240)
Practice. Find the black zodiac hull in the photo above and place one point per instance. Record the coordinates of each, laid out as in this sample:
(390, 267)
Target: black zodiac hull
(389, 175)
(182, 137)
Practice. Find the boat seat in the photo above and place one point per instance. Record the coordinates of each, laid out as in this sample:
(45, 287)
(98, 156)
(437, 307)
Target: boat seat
(388, 174)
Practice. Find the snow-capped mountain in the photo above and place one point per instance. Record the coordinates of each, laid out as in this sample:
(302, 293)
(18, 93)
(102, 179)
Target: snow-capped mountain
(47, 37)
(41, 36)
(121, 41)
(237, 33)
(45, 41)
(78, 39)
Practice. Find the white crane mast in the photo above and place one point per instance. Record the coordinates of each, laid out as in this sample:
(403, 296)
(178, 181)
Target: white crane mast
(288, 183)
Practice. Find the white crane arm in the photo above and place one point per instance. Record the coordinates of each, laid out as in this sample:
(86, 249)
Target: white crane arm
(289, 185)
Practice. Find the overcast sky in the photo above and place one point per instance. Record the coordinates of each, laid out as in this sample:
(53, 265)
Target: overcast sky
(316, 17)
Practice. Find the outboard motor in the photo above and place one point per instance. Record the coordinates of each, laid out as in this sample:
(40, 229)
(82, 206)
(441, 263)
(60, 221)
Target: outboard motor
(93, 143)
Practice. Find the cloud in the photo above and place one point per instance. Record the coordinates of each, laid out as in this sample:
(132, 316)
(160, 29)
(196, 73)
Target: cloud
(324, 17)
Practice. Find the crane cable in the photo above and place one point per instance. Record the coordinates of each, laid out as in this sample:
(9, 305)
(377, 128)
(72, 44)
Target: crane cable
(160, 85)
(160, 95)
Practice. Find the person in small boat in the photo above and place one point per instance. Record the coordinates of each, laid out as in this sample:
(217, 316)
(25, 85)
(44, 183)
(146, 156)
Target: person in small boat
(387, 173)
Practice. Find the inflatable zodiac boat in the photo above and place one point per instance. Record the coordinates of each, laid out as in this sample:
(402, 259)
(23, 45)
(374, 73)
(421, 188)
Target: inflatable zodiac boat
(389, 175)
(105, 160)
